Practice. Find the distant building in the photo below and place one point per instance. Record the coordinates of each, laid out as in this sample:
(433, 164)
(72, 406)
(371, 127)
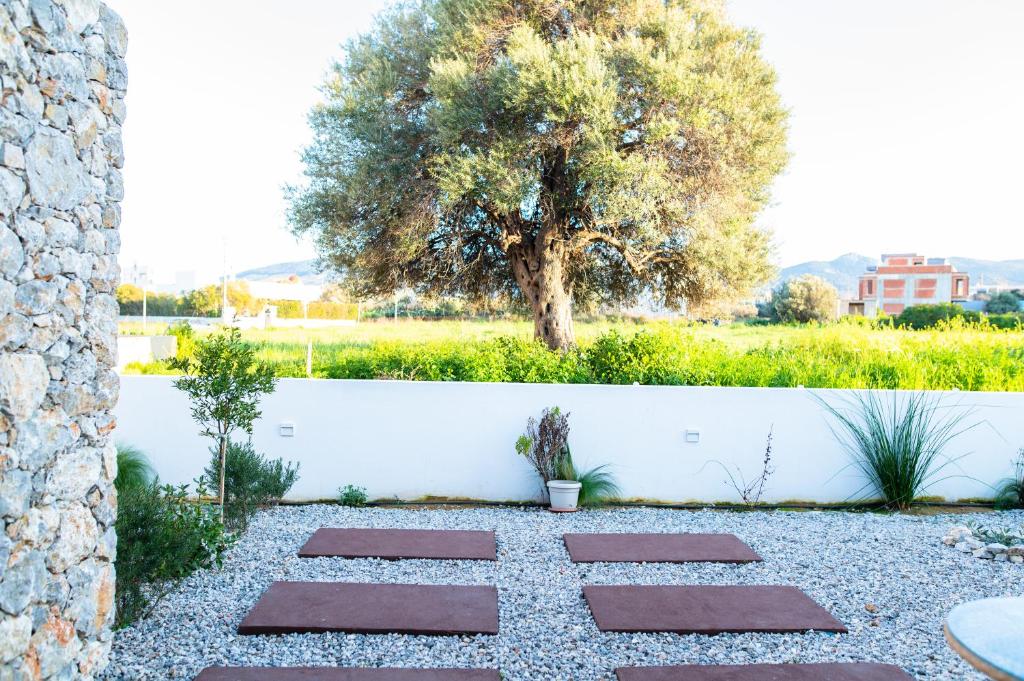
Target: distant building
(905, 279)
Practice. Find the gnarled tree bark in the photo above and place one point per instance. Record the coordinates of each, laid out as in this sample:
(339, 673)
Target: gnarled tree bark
(539, 270)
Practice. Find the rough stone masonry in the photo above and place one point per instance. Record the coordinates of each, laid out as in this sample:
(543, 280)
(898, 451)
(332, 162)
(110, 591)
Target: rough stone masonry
(63, 76)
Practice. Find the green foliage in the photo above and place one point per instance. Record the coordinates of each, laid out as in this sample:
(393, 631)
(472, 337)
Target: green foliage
(133, 469)
(129, 301)
(929, 316)
(1010, 492)
(805, 299)
(162, 538)
(350, 495)
(848, 354)
(1006, 536)
(597, 485)
(1003, 302)
(252, 482)
(186, 339)
(546, 148)
(898, 446)
(225, 382)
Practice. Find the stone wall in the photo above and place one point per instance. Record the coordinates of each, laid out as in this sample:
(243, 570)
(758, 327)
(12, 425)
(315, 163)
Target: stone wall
(63, 76)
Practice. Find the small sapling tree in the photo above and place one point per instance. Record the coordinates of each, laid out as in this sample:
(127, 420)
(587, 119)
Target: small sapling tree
(224, 381)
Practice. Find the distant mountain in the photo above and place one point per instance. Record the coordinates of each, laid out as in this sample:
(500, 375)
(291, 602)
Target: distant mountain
(305, 270)
(844, 271)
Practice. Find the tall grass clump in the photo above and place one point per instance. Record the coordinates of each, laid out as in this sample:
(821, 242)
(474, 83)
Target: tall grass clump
(1010, 492)
(597, 485)
(898, 444)
(133, 469)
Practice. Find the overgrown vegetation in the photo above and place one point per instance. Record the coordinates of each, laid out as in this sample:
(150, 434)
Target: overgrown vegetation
(252, 482)
(350, 495)
(850, 354)
(898, 444)
(225, 382)
(545, 444)
(1010, 492)
(162, 537)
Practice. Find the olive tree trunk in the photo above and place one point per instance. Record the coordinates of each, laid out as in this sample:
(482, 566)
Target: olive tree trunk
(541, 279)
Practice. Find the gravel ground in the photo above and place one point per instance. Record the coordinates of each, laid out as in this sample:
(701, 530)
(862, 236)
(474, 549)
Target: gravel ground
(844, 561)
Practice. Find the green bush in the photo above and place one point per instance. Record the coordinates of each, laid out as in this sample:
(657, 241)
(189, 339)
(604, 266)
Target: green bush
(162, 538)
(1002, 302)
(350, 495)
(252, 482)
(928, 316)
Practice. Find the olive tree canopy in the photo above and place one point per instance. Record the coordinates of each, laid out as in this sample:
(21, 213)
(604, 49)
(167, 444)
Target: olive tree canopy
(554, 150)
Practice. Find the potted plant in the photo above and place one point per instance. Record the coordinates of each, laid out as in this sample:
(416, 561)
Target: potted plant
(546, 446)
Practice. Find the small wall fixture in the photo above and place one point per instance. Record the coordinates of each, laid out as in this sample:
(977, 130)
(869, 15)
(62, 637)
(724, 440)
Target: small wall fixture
(286, 429)
(692, 435)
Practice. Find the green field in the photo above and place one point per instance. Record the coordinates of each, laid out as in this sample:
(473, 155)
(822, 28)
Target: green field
(843, 355)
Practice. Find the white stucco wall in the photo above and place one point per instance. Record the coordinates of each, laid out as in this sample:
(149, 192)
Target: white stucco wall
(409, 439)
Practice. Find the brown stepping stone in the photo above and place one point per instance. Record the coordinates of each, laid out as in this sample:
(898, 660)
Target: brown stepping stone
(316, 607)
(658, 548)
(707, 609)
(766, 672)
(343, 674)
(396, 544)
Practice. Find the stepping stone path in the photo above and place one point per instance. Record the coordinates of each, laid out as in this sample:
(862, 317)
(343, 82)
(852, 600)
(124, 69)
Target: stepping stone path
(658, 548)
(310, 607)
(399, 544)
(317, 607)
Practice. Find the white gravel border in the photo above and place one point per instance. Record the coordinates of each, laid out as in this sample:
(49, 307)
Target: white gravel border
(888, 578)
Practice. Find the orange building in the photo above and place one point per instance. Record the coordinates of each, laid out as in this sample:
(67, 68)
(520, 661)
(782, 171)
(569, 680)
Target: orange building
(905, 279)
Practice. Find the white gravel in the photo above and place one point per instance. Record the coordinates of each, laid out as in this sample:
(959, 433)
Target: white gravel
(846, 562)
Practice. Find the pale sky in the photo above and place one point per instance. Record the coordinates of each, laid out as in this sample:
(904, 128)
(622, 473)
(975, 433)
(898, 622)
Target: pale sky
(906, 127)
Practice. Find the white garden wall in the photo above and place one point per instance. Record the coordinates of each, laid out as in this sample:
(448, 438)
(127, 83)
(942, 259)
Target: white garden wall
(411, 439)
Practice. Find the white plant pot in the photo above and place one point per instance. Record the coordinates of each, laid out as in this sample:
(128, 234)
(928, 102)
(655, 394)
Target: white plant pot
(564, 494)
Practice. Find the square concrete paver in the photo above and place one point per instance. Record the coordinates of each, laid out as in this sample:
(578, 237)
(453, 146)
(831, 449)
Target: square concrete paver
(343, 674)
(658, 548)
(397, 544)
(707, 609)
(766, 672)
(315, 607)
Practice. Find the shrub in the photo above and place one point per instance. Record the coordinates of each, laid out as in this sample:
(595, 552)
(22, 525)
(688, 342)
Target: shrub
(897, 445)
(805, 299)
(252, 482)
(225, 381)
(929, 316)
(350, 495)
(1010, 492)
(162, 538)
(185, 337)
(1003, 302)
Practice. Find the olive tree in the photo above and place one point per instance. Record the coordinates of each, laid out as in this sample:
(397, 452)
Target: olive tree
(225, 382)
(551, 150)
(805, 299)
(1002, 302)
